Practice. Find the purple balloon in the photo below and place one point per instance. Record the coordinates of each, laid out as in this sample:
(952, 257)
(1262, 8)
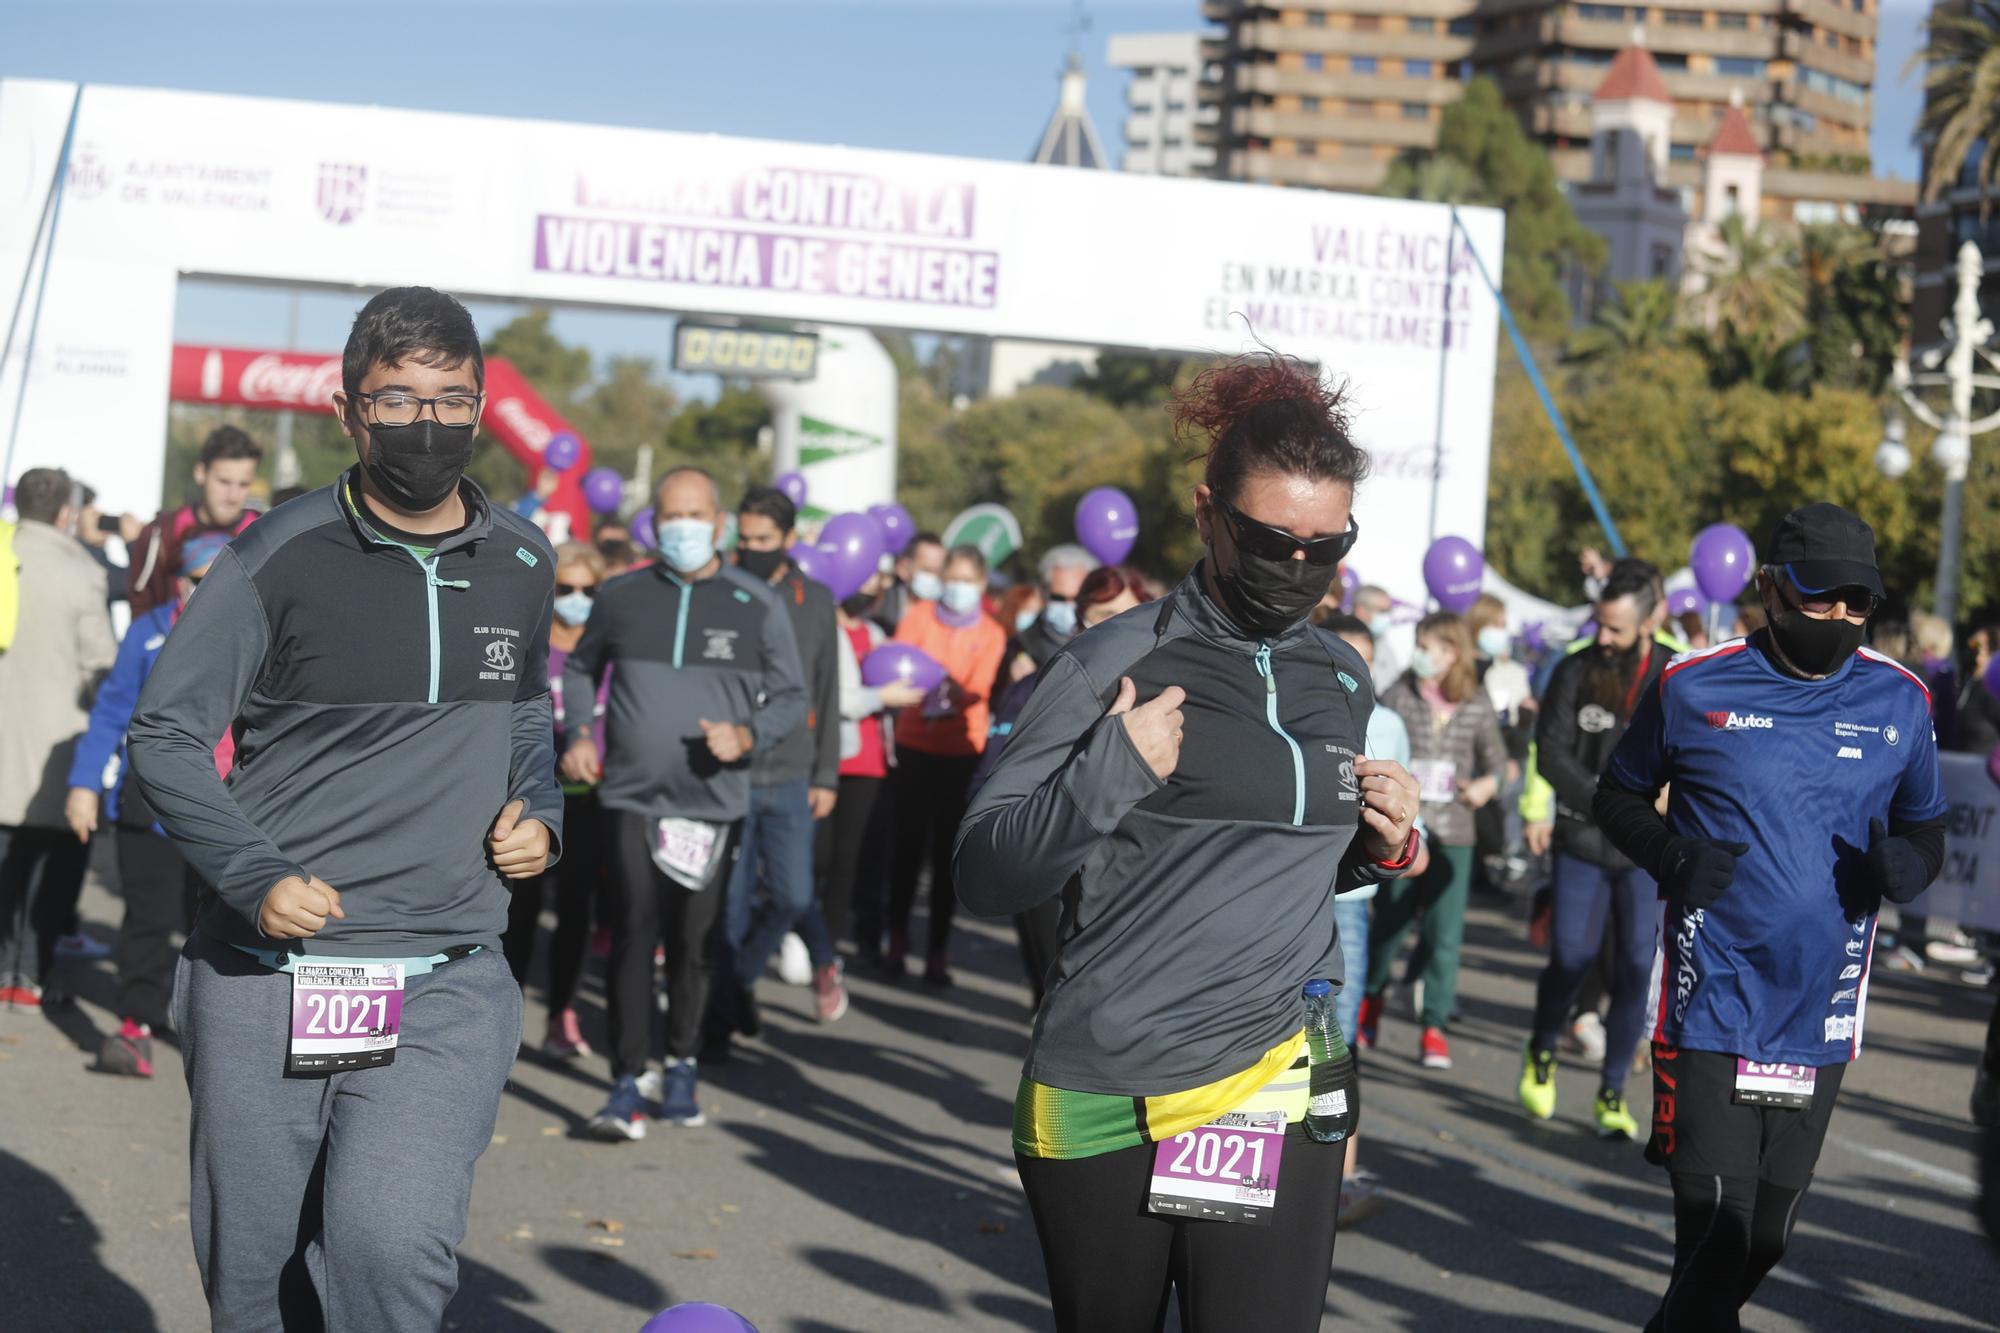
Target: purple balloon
(562, 452)
(901, 662)
(698, 1317)
(1722, 558)
(1993, 765)
(1681, 601)
(897, 526)
(1452, 568)
(857, 545)
(1350, 583)
(1991, 680)
(603, 489)
(644, 530)
(1107, 523)
(815, 562)
(793, 484)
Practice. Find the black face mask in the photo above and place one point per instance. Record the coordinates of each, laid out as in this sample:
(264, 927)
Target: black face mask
(1816, 647)
(760, 564)
(860, 606)
(1267, 597)
(418, 466)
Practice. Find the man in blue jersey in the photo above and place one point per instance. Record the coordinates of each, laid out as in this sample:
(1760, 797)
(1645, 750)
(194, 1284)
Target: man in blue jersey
(1803, 790)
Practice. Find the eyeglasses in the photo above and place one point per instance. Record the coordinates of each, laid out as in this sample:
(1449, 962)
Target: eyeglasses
(1859, 601)
(587, 589)
(402, 409)
(1261, 539)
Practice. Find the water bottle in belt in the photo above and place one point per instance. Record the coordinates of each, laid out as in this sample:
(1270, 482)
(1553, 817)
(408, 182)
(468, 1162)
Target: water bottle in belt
(1335, 1106)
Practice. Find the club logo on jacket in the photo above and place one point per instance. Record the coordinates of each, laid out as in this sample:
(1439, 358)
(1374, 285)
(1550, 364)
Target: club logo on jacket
(502, 655)
(721, 645)
(1595, 719)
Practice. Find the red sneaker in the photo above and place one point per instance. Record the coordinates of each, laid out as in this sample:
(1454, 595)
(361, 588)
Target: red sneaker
(1367, 1021)
(21, 997)
(1436, 1051)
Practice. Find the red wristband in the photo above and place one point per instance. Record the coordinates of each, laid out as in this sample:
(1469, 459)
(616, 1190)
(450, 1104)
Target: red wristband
(1409, 855)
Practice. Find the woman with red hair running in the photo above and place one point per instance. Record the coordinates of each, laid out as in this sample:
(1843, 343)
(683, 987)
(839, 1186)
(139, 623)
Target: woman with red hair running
(1189, 778)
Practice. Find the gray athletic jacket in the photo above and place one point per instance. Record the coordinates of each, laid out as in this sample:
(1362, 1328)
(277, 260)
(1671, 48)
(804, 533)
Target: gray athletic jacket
(1194, 910)
(809, 753)
(385, 707)
(679, 652)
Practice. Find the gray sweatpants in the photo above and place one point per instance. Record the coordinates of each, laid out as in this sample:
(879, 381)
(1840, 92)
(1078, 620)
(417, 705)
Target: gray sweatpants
(337, 1200)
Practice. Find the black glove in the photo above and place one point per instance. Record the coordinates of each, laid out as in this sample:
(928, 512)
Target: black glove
(1697, 870)
(1895, 867)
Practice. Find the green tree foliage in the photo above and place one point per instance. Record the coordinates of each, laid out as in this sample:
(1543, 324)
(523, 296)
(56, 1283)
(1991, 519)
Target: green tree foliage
(1640, 317)
(1753, 282)
(1961, 114)
(721, 437)
(1511, 172)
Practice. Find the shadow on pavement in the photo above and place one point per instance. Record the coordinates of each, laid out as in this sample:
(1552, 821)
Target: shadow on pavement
(488, 1301)
(49, 1254)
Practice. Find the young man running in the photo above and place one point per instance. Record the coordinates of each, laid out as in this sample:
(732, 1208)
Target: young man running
(378, 650)
(1804, 790)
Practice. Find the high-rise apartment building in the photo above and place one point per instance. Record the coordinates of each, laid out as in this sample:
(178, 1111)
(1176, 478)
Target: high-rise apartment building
(1329, 92)
(1163, 106)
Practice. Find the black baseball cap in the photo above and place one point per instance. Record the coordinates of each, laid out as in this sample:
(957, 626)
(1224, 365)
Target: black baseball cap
(1823, 547)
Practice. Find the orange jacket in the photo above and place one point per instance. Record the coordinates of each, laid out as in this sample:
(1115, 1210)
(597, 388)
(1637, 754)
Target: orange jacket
(971, 657)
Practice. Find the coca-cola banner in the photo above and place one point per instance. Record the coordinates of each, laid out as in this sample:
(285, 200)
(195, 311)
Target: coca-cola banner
(1382, 292)
(515, 415)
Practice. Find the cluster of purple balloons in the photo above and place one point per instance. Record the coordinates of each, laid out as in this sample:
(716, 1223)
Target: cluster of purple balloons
(603, 489)
(1453, 568)
(851, 547)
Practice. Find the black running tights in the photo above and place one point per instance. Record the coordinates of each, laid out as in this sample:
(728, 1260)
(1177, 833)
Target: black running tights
(1113, 1266)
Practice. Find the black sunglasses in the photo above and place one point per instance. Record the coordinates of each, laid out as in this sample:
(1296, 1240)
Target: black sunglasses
(565, 589)
(1821, 601)
(1261, 539)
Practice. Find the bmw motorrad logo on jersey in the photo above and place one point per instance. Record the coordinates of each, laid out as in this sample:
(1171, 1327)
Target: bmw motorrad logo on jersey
(1891, 735)
(1853, 731)
(1724, 720)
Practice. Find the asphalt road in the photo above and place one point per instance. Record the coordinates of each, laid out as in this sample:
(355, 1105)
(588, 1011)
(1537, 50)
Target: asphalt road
(858, 1177)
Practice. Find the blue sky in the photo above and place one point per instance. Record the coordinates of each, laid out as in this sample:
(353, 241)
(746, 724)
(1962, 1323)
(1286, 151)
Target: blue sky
(970, 78)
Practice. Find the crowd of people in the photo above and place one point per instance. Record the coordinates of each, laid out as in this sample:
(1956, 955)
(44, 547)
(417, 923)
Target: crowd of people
(1196, 802)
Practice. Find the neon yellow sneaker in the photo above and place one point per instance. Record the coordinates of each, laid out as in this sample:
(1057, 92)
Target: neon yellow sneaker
(1614, 1120)
(1538, 1083)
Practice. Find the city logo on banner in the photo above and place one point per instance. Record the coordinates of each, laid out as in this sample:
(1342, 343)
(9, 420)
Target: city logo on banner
(343, 189)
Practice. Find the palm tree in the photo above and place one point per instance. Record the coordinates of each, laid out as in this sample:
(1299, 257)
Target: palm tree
(1640, 318)
(1961, 112)
(1752, 281)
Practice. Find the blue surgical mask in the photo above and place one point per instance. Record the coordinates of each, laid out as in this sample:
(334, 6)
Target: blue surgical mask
(926, 586)
(961, 598)
(1381, 623)
(1424, 665)
(1493, 641)
(1060, 617)
(1024, 621)
(687, 544)
(573, 608)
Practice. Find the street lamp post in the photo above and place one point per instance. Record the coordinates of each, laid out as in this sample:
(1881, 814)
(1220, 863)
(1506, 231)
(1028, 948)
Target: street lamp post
(1966, 336)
